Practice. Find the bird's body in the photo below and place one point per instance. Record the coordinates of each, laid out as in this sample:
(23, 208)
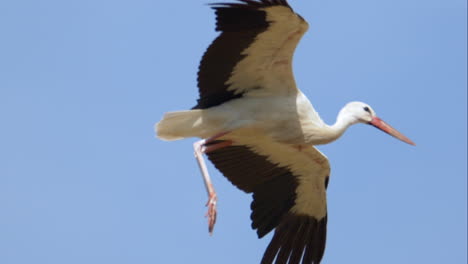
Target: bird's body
(260, 130)
(288, 119)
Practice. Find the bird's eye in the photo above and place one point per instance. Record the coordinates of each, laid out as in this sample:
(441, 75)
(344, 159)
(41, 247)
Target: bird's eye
(367, 109)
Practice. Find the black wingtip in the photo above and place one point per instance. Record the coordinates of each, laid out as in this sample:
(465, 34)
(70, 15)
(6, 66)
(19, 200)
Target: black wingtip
(297, 236)
(251, 4)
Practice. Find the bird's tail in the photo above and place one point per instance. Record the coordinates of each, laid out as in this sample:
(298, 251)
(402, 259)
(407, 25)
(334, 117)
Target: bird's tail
(178, 125)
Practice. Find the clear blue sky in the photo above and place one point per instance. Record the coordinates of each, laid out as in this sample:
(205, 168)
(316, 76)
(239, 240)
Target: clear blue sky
(83, 180)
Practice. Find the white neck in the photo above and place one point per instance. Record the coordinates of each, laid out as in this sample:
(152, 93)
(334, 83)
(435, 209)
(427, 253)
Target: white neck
(343, 121)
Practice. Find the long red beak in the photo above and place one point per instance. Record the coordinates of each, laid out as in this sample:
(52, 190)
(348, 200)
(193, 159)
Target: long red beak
(380, 124)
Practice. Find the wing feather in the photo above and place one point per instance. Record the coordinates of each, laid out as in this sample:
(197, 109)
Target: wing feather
(253, 54)
(290, 197)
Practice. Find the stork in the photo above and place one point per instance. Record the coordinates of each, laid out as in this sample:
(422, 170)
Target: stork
(260, 130)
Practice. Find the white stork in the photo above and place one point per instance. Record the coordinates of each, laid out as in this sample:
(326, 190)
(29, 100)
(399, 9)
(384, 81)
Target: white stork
(259, 129)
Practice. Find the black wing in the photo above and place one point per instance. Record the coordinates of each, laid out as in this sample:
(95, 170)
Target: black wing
(242, 58)
(288, 189)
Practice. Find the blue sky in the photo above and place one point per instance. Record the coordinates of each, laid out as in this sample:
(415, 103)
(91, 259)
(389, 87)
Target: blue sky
(83, 180)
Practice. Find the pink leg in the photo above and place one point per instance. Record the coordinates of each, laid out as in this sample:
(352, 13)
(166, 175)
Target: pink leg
(200, 148)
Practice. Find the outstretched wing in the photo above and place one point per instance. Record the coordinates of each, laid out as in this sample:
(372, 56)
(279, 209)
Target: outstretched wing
(289, 194)
(253, 54)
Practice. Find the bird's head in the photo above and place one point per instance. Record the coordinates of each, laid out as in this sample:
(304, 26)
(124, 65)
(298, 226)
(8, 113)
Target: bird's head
(359, 112)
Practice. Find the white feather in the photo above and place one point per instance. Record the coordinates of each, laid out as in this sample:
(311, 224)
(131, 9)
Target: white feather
(178, 125)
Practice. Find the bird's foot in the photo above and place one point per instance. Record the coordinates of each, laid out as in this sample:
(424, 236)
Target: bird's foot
(202, 147)
(211, 214)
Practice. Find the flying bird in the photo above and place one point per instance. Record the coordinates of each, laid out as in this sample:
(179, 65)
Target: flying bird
(260, 130)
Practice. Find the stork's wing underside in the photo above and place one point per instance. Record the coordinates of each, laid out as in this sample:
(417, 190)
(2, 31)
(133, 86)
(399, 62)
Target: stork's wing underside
(253, 54)
(288, 187)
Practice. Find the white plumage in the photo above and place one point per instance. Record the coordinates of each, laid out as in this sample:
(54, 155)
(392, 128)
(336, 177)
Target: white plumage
(259, 130)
